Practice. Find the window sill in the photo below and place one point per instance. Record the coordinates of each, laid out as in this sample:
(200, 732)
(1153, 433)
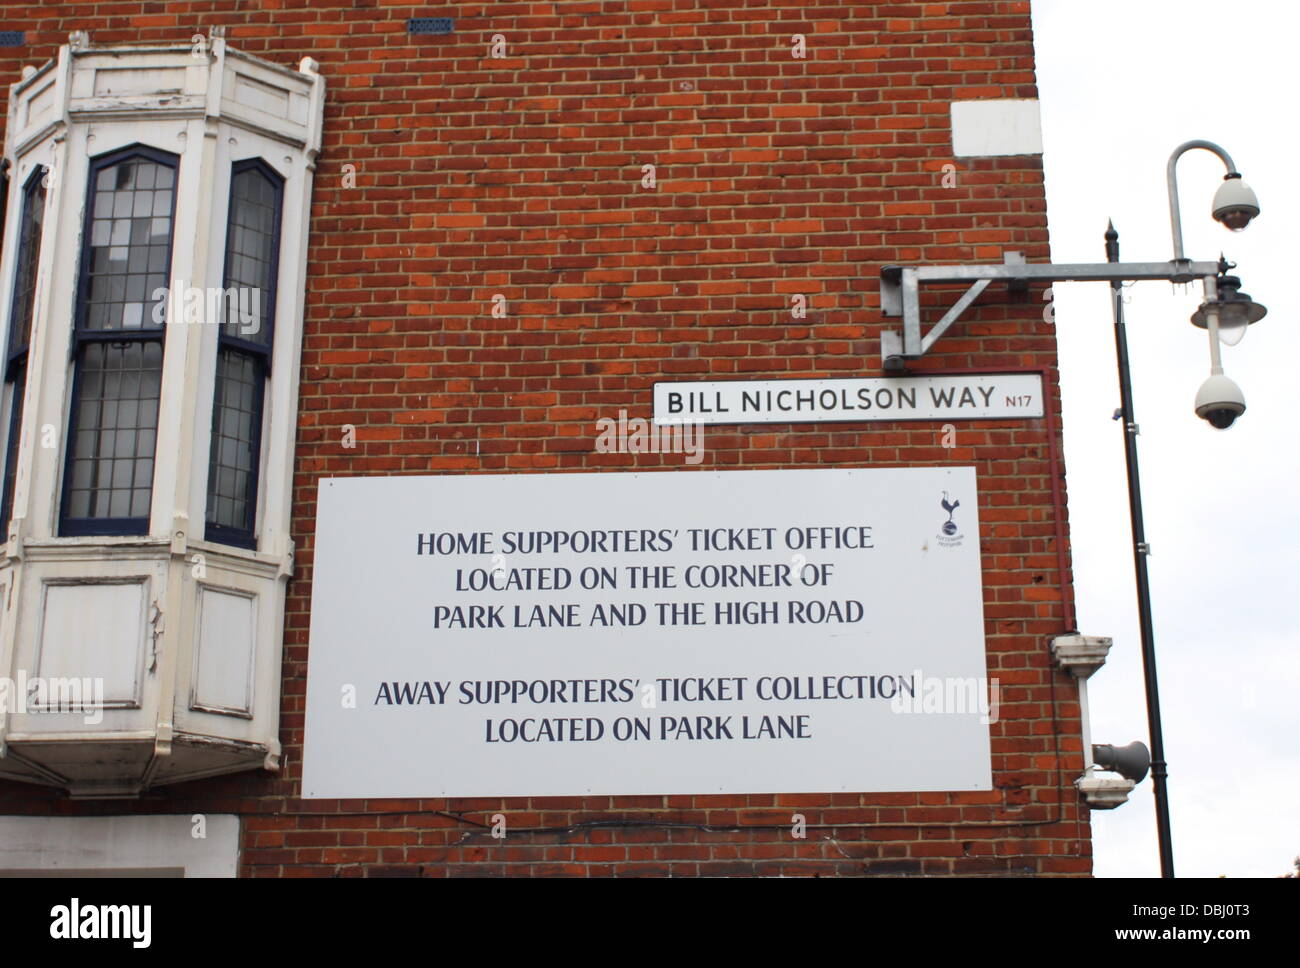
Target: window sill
(118, 547)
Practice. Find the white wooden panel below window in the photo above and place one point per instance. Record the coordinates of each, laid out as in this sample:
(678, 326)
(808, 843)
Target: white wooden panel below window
(262, 97)
(131, 80)
(96, 631)
(224, 653)
(41, 103)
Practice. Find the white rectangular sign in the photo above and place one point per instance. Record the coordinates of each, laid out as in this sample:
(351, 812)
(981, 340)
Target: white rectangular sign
(984, 396)
(785, 631)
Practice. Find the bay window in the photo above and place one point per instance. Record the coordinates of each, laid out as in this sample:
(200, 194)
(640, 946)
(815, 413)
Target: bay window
(152, 285)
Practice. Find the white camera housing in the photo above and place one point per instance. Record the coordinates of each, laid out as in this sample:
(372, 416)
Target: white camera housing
(1220, 401)
(1234, 203)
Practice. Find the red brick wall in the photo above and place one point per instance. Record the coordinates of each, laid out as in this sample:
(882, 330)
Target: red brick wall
(522, 177)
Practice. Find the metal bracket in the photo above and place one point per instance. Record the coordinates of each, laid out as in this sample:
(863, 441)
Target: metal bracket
(900, 291)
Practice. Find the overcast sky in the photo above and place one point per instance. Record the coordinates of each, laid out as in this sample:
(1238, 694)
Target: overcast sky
(1122, 84)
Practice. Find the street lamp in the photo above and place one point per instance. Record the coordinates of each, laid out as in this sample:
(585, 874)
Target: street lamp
(1235, 309)
(1225, 314)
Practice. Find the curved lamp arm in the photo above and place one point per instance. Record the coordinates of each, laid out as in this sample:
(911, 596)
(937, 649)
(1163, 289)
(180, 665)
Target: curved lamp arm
(1174, 218)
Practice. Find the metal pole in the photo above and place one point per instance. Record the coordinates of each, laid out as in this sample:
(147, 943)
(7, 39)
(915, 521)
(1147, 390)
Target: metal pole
(1140, 552)
(1171, 179)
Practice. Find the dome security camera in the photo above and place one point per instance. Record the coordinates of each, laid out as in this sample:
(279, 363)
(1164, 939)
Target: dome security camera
(1234, 203)
(1220, 401)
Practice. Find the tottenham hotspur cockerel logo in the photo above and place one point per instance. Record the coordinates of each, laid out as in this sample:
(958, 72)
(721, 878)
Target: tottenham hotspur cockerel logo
(949, 528)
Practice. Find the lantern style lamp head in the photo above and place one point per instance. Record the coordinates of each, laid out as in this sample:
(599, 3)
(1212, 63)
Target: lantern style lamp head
(1234, 203)
(1235, 308)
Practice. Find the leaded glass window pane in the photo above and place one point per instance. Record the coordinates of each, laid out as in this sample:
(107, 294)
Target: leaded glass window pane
(236, 425)
(29, 246)
(130, 236)
(20, 335)
(115, 430)
(251, 244)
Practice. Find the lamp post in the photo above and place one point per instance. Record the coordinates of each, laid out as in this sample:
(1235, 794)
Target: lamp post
(1146, 626)
(1225, 313)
